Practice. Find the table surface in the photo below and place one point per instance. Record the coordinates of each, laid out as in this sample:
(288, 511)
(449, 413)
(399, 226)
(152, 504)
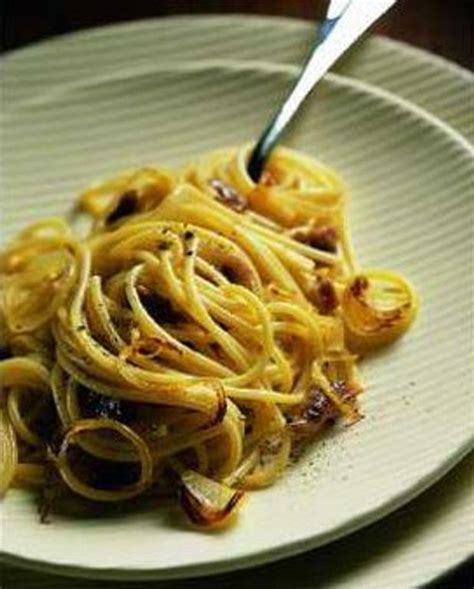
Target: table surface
(437, 25)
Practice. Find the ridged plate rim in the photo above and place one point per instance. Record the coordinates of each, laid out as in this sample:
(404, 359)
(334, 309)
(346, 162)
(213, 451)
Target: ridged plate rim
(365, 518)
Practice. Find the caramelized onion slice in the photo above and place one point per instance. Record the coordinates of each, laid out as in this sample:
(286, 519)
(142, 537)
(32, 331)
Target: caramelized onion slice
(113, 198)
(205, 501)
(37, 287)
(29, 474)
(82, 488)
(9, 452)
(378, 307)
(310, 417)
(274, 453)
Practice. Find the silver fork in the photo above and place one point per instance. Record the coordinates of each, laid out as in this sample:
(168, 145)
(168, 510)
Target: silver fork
(345, 22)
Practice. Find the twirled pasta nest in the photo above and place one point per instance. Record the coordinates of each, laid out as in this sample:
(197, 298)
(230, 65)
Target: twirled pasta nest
(204, 331)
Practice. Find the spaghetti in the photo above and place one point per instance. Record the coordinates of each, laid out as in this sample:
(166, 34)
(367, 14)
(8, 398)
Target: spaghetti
(205, 329)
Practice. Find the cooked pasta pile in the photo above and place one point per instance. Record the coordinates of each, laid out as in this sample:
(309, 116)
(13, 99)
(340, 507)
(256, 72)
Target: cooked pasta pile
(204, 331)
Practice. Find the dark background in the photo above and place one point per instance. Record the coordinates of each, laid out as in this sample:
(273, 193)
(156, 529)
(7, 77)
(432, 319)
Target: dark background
(442, 26)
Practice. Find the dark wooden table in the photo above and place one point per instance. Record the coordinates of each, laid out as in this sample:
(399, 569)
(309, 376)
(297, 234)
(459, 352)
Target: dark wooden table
(442, 26)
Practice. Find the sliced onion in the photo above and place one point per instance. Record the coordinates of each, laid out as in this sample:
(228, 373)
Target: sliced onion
(205, 501)
(9, 452)
(247, 465)
(149, 184)
(378, 307)
(82, 488)
(34, 291)
(30, 474)
(274, 455)
(309, 418)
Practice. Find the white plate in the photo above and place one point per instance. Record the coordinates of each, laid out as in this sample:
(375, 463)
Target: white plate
(408, 548)
(439, 86)
(426, 544)
(410, 177)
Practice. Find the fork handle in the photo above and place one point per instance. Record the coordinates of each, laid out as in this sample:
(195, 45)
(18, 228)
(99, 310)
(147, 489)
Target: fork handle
(349, 20)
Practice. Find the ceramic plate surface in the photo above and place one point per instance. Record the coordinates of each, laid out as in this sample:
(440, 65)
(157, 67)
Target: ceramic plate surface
(410, 177)
(408, 548)
(437, 85)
